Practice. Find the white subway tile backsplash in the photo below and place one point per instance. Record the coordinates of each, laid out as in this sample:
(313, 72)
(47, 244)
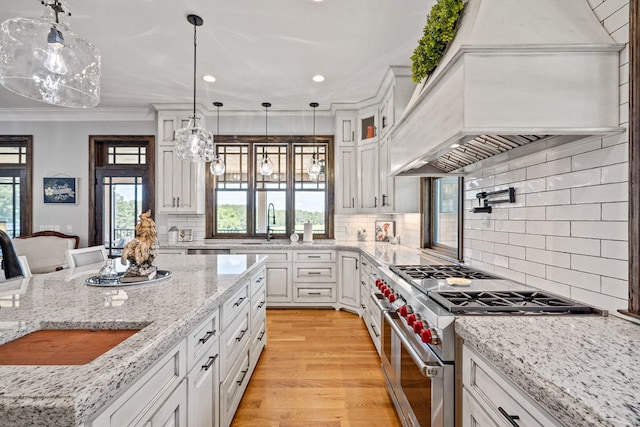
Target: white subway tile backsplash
(578, 147)
(605, 156)
(548, 285)
(527, 240)
(510, 250)
(617, 20)
(550, 168)
(529, 186)
(494, 236)
(574, 278)
(602, 266)
(613, 230)
(615, 139)
(615, 211)
(495, 259)
(615, 249)
(532, 213)
(558, 259)
(510, 274)
(483, 246)
(549, 228)
(615, 287)
(608, 8)
(530, 160)
(510, 226)
(599, 300)
(574, 212)
(510, 177)
(573, 245)
(562, 197)
(600, 193)
(574, 179)
(527, 267)
(621, 35)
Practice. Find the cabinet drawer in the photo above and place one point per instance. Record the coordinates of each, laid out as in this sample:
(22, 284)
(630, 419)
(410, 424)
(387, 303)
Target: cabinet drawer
(315, 294)
(314, 256)
(366, 265)
(258, 341)
(258, 306)
(258, 281)
(314, 273)
(202, 338)
(232, 387)
(273, 256)
(234, 339)
(234, 305)
(498, 395)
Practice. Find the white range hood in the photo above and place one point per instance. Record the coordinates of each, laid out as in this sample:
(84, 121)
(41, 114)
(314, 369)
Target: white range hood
(519, 75)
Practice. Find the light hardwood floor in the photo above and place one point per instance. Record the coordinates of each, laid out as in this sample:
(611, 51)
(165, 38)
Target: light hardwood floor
(319, 369)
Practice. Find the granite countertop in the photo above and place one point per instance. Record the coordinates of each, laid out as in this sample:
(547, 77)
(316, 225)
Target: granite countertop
(167, 311)
(585, 370)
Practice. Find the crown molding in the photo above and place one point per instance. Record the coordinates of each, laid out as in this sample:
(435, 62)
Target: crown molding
(76, 115)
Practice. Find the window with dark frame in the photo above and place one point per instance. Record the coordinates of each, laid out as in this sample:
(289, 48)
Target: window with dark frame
(16, 184)
(237, 202)
(443, 216)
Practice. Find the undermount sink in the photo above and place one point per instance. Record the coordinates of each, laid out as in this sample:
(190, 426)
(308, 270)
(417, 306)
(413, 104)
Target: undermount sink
(62, 346)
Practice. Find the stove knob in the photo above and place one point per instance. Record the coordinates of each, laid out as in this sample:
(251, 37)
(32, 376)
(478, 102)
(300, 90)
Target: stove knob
(378, 283)
(383, 288)
(387, 292)
(392, 297)
(430, 336)
(412, 318)
(417, 327)
(403, 311)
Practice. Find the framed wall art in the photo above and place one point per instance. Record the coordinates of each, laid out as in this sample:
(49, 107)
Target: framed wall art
(385, 230)
(60, 190)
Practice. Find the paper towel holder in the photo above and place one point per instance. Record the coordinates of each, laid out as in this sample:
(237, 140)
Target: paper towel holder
(308, 233)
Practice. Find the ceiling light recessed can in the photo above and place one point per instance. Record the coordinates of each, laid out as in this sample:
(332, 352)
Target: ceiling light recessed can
(208, 78)
(318, 78)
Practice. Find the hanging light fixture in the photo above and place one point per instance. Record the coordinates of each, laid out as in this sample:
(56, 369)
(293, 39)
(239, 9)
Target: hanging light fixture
(315, 167)
(43, 59)
(194, 143)
(266, 165)
(217, 166)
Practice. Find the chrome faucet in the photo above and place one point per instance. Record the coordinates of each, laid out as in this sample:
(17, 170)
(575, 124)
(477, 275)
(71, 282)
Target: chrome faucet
(270, 208)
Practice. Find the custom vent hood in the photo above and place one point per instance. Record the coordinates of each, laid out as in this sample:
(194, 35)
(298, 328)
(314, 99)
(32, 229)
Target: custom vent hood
(520, 76)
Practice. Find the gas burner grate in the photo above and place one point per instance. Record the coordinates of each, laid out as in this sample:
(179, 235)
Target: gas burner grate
(419, 272)
(494, 302)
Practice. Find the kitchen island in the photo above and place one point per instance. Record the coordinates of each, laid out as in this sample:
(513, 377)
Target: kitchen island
(165, 312)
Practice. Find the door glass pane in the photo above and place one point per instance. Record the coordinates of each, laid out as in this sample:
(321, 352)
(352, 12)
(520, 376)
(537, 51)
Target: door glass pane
(122, 206)
(10, 205)
(445, 212)
(231, 212)
(310, 207)
(279, 200)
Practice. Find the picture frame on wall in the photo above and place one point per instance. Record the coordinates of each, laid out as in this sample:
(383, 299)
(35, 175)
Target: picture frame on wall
(385, 230)
(60, 190)
(186, 235)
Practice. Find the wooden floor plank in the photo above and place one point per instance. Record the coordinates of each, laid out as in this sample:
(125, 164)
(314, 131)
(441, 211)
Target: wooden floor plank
(319, 369)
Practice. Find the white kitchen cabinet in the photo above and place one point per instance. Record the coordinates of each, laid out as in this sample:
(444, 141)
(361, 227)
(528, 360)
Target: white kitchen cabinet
(368, 124)
(368, 178)
(398, 194)
(345, 127)
(278, 275)
(386, 182)
(346, 180)
(314, 277)
(349, 279)
(489, 398)
(258, 316)
(233, 386)
(180, 184)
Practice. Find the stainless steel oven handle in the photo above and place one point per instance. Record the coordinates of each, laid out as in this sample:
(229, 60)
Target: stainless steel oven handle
(430, 371)
(378, 302)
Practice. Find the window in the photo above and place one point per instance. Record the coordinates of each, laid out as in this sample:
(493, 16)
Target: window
(122, 169)
(443, 216)
(238, 201)
(15, 185)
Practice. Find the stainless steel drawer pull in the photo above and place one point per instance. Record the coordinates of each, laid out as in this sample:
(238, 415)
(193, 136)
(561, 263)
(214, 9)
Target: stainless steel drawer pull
(261, 304)
(510, 418)
(259, 280)
(313, 256)
(315, 293)
(242, 332)
(314, 272)
(244, 374)
(237, 303)
(210, 362)
(206, 337)
(261, 335)
(375, 332)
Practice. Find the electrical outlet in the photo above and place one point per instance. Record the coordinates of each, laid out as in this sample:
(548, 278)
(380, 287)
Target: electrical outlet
(46, 228)
(69, 228)
(56, 228)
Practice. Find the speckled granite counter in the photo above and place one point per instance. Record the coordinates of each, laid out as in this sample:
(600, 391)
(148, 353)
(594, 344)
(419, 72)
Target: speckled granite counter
(584, 370)
(167, 311)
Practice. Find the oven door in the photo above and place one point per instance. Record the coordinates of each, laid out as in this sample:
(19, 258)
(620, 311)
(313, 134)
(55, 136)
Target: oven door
(421, 385)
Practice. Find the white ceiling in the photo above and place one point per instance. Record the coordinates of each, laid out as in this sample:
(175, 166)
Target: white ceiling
(258, 50)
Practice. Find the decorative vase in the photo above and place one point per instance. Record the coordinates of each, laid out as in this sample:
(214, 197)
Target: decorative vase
(371, 131)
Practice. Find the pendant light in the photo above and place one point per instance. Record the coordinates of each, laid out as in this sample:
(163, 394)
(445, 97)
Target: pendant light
(217, 166)
(43, 59)
(314, 168)
(193, 143)
(266, 165)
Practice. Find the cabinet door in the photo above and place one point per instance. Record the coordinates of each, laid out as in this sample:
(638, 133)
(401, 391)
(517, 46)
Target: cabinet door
(346, 128)
(203, 390)
(349, 279)
(368, 177)
(180, 184)
(172, 413)
(386, 182)
(345, 182)
(387, 112)
(279, 283)
(368, 124)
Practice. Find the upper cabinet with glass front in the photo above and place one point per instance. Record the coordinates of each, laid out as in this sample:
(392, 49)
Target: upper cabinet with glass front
(179, 184)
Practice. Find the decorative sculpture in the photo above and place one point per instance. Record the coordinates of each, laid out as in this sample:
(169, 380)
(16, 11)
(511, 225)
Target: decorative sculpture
(141, 251)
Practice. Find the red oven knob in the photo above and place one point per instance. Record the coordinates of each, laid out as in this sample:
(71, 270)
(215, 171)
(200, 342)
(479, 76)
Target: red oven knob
(378, 283)
(417, 327)
(426, 336)
(392, 297)
(410, 319)
(387, 292)
(383, 288)
(403, 311)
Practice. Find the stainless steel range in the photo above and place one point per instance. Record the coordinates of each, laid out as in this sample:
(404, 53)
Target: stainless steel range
(418, 336)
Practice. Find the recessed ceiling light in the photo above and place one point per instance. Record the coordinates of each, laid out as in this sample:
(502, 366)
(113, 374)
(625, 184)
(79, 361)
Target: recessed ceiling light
(208, 78)
(318, 78)
(455, 145)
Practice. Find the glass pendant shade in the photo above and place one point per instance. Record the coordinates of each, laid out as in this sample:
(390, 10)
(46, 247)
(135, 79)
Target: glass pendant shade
(44, 60)
(194, 143)
(266, 165)
(217, 166)
(314, 168)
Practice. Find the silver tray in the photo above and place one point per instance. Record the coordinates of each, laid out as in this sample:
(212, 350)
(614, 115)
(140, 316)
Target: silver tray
(97, 281)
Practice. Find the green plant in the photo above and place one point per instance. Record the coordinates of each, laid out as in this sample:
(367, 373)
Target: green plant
(439, 30)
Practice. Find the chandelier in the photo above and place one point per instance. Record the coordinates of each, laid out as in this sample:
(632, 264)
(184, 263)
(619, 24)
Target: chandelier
(43, 59)
(193, 143)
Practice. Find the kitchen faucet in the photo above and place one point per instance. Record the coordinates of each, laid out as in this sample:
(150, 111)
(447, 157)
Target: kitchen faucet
(270, 208)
